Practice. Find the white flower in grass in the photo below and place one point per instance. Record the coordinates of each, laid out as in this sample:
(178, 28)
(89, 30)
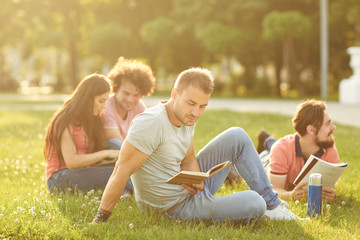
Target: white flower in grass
(15, 212)
(20, 209)
(48, 215)
(328, 206)
(17, 220)
(26, 203)
(34, 214)
(339, 207)
(91, 192)
(1, 215)
(343, 203)
(296, 202)
(131, 226)
(84, 205)
(43, 212)
(35, 199)
(59, 200)
(130, 207)
(86, 197)
(16, 199)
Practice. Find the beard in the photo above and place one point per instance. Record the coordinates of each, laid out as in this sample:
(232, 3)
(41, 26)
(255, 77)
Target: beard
(324, 144)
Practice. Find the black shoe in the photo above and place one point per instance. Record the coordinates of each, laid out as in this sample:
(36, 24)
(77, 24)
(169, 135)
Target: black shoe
(263, 135)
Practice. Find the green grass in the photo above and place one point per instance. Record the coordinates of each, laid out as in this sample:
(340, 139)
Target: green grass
(28, 211)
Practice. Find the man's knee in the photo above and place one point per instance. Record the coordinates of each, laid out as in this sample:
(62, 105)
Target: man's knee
(238, 133)
(257, 205)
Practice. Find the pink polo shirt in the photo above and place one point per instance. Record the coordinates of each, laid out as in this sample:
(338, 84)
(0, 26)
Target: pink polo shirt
(113, 120)
(287, 159)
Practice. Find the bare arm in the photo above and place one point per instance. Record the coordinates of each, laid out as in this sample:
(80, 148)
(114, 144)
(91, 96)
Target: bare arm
(113, 133)
(130, 160)
(279, 181)
(75, 160)
(190, 163)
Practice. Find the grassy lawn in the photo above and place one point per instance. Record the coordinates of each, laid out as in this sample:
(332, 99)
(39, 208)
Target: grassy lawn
(28, 211)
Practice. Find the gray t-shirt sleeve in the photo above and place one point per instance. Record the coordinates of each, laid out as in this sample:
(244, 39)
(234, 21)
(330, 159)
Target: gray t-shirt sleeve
(145, 133)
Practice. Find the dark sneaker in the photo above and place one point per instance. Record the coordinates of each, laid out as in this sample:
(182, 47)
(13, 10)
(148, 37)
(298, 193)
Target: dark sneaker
(263, 135)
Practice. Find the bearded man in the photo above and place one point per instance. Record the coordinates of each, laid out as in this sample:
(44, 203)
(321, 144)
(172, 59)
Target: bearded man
(314, 129)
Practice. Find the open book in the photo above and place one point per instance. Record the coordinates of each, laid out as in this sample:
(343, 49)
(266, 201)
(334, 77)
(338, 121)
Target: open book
(330, 172)
(191, 177)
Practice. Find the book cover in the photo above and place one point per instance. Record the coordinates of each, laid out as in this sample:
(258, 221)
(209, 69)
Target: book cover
(330, 172)
(191, 177)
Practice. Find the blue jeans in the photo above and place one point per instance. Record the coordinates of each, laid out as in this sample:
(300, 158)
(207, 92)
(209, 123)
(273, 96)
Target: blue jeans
(114, 144)
(236, 146)
(83, 179)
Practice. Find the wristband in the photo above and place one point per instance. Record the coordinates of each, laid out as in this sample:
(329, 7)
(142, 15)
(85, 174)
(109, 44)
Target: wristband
(101, 217)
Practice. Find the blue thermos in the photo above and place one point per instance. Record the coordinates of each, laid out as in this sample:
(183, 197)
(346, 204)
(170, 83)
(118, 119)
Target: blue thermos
(314, 195)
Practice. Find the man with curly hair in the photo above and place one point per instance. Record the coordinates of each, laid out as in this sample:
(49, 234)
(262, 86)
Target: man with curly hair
(131, 80)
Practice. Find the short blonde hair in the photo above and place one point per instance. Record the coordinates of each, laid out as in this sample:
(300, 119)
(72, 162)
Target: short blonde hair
(197, 77)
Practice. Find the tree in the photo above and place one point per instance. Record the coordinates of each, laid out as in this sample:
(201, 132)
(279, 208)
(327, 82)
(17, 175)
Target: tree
(285, 27)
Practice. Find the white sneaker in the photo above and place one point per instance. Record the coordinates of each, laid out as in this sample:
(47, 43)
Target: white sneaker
(281, 212)
(285, 204)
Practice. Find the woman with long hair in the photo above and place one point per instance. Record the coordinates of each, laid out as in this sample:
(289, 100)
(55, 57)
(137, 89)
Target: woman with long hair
(75, 140)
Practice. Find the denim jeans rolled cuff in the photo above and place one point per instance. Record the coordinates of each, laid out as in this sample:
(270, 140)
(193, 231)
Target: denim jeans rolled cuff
(114, 144)
(269, 142)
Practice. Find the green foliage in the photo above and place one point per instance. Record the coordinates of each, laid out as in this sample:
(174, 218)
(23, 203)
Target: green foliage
(217, 37)
(283, 25)
(159, 31)
(107, 39)
(28, 211)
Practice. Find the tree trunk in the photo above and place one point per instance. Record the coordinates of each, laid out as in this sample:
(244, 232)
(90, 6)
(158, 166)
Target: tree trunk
(73, 63)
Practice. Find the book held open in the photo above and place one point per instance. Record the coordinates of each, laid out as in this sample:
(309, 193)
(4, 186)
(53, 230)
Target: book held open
(330, 172)
(191, 177)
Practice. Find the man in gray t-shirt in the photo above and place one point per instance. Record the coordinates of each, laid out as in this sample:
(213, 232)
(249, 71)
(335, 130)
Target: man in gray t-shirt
(160, 144)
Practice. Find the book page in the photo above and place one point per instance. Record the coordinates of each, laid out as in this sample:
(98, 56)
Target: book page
(330, 172)
(191, 177)
(218, 168)
(188, 177)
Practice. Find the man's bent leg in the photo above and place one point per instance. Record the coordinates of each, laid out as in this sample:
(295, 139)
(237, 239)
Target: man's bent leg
(235, 145)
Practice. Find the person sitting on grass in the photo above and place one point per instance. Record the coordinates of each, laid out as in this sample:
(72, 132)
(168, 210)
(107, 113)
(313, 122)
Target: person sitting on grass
(74, 142)
(160, 144)
(131, 80)
(288, 155)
